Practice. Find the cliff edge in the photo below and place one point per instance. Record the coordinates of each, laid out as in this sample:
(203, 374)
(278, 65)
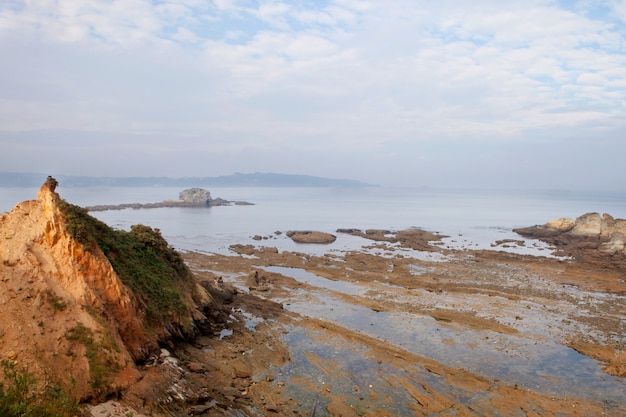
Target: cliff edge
(83, 304)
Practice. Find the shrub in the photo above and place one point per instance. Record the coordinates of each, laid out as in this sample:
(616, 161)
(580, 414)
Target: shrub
(19, 396)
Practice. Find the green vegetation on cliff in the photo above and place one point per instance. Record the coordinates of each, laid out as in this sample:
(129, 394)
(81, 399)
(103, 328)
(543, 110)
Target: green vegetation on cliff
(20, 395)
(141, 257)
(99, 368)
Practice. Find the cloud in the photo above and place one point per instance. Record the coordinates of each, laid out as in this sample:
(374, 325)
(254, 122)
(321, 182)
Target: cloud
(373, 79)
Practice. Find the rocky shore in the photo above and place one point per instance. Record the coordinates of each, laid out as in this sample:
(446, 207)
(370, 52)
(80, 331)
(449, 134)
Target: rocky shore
(456, 315)
(403, 326)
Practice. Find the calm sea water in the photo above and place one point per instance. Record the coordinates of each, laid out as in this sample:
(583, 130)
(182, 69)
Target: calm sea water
(472, 218)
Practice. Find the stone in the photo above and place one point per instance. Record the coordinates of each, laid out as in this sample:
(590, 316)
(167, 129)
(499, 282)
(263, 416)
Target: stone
(203, 408)
(196, 367)
(242, 369)
(300, 236)
(563, 224)
(195, 196)
(589, 224)
(579, 238)
(616, 244)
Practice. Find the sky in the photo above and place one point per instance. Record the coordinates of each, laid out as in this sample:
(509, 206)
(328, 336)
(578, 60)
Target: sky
(452, 93)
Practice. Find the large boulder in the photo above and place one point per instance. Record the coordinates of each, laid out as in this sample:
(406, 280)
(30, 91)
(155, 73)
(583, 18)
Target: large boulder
(589, 224)
(195, 196)
(616, 244)
(563, 224)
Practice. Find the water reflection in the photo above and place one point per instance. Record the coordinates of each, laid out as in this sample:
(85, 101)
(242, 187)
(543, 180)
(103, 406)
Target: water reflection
(540, 365)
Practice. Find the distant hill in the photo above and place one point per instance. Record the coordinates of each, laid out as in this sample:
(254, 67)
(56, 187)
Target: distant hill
(14, 179)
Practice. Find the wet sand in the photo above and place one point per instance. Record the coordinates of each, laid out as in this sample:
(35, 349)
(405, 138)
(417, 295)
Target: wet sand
(406, 327)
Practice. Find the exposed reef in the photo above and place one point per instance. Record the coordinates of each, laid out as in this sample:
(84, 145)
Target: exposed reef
(414, 238)
(308, 236)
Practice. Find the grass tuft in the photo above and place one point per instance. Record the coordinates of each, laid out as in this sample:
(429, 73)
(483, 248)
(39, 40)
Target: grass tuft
(99, 368)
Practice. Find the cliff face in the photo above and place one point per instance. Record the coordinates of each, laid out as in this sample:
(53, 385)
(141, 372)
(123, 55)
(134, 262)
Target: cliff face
(65, 311)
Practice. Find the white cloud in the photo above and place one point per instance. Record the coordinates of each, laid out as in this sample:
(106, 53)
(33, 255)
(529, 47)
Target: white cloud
(185, 35)
(337, 74)
(227, 5)
(274, 13)
(617, 9)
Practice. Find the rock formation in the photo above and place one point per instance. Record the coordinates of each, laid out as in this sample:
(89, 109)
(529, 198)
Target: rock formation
(197, 196)
(414, 238)
(306, 236)
(591, 234)
(69, 315)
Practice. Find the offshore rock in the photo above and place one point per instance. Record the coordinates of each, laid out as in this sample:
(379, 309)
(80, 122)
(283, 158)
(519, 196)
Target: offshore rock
(305, 236)
(563, 224)
(195, 196)
(587, 236)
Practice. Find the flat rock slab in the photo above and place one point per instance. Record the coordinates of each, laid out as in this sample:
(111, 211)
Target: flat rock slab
(305, 236)
(112, 409)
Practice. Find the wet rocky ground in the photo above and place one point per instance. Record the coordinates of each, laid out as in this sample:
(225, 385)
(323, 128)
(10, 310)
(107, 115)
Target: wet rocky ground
(404, 326)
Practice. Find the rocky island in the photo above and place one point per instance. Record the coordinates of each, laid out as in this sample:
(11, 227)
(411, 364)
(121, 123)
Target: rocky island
(108, 323)
(192, 197)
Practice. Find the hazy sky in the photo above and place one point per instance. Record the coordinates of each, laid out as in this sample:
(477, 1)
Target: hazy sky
(400, 92)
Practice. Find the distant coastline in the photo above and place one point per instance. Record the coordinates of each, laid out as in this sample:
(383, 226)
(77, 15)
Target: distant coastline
(18, 179)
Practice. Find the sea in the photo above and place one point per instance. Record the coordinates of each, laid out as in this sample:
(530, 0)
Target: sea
(469, 218)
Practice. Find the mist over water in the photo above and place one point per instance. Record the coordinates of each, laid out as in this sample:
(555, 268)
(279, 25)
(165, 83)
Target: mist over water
(471, 218)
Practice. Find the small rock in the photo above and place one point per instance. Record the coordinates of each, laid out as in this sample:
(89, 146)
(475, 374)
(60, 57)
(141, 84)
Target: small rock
(196, 367)
(242, 370)
(203, 408)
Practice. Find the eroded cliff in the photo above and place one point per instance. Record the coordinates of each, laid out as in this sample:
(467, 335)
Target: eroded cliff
(82, 304)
